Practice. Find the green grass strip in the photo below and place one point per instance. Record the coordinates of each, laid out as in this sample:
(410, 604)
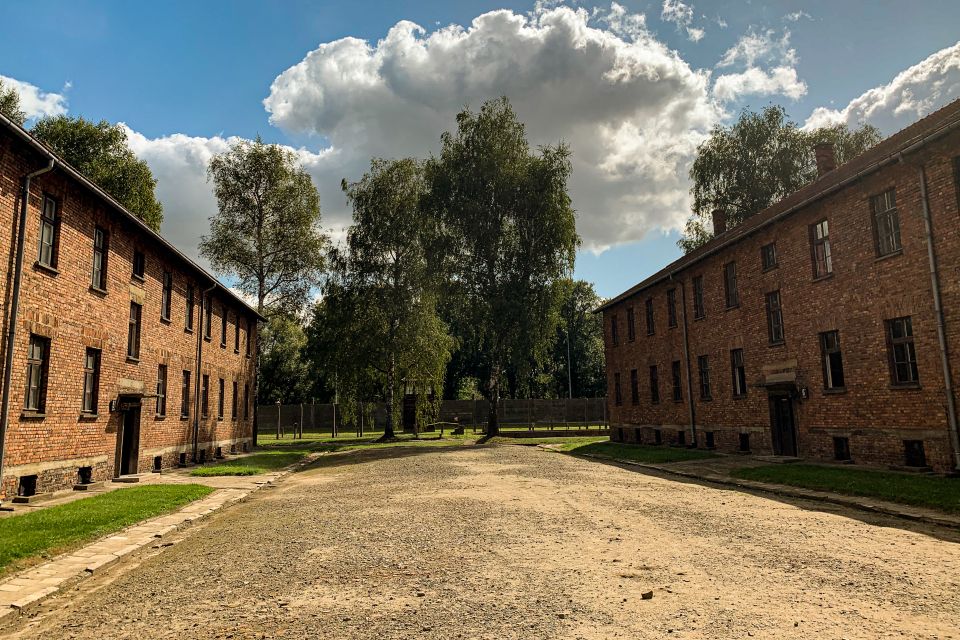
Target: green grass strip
(262, 462)
(52, 530)
(638, 453)
(936, 492)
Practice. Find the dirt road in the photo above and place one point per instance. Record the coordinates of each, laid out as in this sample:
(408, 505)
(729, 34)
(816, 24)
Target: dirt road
(515, 542)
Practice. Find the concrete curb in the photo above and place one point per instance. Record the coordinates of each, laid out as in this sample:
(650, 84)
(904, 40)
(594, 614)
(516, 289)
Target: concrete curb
(34, 585)
(905, 512)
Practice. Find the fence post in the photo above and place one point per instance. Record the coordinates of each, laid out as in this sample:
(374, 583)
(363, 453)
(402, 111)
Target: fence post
(333, 431)
(585, 425)
(278, 421)
(360, 434)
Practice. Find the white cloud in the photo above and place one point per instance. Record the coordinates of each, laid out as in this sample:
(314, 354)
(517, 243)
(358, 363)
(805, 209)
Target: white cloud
(797, 15)
(769, 68)
(631, 109)
(912, 94)
(36, 103)
(681, 15)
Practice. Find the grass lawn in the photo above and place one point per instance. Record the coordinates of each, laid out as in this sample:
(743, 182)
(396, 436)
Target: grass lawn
(53, 530)
(920, 490)
(637, 452)
(567, 442)
(260, 462)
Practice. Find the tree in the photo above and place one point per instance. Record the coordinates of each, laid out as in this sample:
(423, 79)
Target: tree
(283, 374)
(584, 330)
(759, 160)
(386, 265)
(10, 104)
(266, 232)
(100, 152)
(508, 234)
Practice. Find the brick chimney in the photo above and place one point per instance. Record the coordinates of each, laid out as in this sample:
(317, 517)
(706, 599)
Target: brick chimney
(719, 221)
(826, 158)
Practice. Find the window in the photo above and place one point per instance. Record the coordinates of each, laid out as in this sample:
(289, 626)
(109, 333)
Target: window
(205, 395)
(220, 400)
(631, 325)
(903, 355)
(236, 335)
(246, 401)
(730, 285)
(841, 448)
(739, 373)
(820, 242)
(38, 354)
(703, 368)
(613, 330)
(162, 390)
(651, 328)
(139, 265)
(768, 256)
(634, 387)
(832, 360)
(167, 296)
(185, 395)
(223, 326)
(698, 309)
(654, 385)
(672, 308)
(677, 389)
(774, 318)
(188, 320)
(233, 401)
(617, 397)
(91, 381)
(886, 222)
(133, 332)
(246, 345)
(98, 278)
(49, 225)
(207, 318)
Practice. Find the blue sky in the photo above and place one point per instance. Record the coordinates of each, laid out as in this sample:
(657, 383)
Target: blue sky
(186, 76)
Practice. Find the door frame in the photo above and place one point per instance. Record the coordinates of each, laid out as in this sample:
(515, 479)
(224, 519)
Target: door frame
(776, 431)
(133, 415)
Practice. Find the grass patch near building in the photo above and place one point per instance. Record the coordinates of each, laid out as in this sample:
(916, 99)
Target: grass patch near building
(935, 492)
(256, 463)
(636, 452)
(53, 530)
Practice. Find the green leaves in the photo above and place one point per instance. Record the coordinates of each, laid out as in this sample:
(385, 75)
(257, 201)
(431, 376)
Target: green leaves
(759, 160)
(100, 152)
(10, 105)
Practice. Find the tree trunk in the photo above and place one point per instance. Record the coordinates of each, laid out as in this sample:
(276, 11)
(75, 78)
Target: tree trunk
(493, 422)
(388, 432)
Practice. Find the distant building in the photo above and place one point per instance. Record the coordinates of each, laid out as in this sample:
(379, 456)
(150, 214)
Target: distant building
(127, 357)
(812, 328)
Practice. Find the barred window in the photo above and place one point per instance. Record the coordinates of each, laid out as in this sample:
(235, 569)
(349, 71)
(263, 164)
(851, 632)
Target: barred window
(98, 277)
(634, 387)
(820, 244)
(220, 401)
(886, 222)
(133, 331)
(161, 390)
(167, 295)
(677, 383)
(672, 308)
(223, 326)
(49, 227)
(654, 385)
(188, 319)
(739, 373)
(903, 355)
(832, 360)
(204, 395)
(774, 318)
(233, 401)
(139, 265)
(91, 380)
(651, 328)
(768, 256)
(703, 368)
(38, 354)
(185, 395)
(236, 335)
(730, 284)
(617, 397)
(631, 325)
(614, 337)
(699, 311)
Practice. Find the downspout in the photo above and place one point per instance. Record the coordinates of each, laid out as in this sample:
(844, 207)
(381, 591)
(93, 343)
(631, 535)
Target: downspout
(15, 308)
(686, 361)
(941, 326)
(201, 332)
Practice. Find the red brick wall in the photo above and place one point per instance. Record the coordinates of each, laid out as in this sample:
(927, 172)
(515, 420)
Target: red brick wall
(862, 292)
(63, 307)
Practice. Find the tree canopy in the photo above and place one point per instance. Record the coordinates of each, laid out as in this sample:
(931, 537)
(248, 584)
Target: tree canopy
(99, 151)
(266, 232)
(760, 159)
(507, 234)
(10, 104)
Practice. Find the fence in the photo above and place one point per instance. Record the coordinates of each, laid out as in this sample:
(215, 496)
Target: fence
(580, 413)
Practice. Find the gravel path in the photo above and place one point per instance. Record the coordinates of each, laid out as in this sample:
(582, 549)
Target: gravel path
(516, 542)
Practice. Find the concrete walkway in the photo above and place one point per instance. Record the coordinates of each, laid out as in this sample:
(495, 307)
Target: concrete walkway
(33, 585)
(719, 471)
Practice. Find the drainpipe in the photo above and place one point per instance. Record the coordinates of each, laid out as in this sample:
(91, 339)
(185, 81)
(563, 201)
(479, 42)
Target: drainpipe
(686, 361)
(201, 332)
(15, 308)
(938, 312)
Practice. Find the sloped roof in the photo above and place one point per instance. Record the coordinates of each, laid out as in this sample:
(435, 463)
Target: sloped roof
(25, 135)
(906, 140)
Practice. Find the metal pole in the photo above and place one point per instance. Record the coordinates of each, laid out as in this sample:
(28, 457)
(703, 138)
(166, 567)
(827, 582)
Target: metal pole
(278, 419)
(301, 421)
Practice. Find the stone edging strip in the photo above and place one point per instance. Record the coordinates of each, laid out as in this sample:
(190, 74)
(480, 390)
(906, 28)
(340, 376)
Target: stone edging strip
(864, 504)
(38, 583)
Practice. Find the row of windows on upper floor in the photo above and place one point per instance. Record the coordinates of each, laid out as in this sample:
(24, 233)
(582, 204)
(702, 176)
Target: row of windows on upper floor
(887, 242)
(37, 377)
(902, 358)
(47, 259)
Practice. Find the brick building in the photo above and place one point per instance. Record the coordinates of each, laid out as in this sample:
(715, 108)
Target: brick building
(126, 356)
(814, 327)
